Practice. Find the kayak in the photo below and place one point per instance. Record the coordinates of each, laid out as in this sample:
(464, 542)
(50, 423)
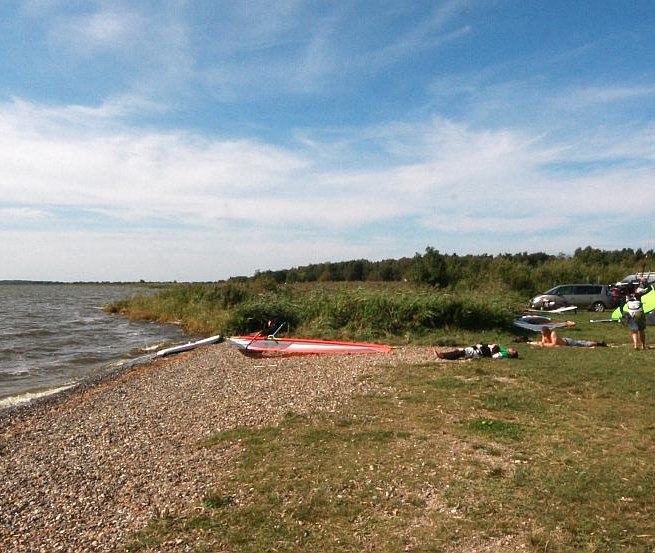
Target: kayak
(269, 346)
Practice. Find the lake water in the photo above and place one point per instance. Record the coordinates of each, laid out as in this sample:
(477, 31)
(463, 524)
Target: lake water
(55, 335)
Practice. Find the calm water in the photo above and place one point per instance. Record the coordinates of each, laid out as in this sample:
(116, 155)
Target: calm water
(54, 335)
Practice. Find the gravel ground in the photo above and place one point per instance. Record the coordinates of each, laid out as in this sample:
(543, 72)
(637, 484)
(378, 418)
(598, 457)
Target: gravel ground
(82, 472)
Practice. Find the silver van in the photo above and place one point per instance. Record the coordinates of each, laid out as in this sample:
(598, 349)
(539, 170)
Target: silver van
(596, 297)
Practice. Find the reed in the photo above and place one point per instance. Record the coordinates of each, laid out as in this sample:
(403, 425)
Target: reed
(328, 310)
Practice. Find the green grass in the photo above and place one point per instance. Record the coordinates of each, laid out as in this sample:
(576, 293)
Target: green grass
(551, 452)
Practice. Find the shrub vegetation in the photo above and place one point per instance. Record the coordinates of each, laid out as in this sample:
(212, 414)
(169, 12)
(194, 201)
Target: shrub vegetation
(404, 299)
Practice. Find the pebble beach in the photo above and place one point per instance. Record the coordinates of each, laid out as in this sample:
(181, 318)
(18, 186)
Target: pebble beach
(84, 471)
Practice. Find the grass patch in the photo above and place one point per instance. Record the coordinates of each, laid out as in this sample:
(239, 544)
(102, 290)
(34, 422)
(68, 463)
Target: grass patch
(551, 452)
(219, 501)
(496, 429)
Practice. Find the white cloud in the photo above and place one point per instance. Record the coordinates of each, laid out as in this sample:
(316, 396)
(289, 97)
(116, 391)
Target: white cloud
(455, 172)
(129, 49)
(595, 95)
(301, 48)
(96, 26)
(26, 119)
(12, 215)
(106, 29)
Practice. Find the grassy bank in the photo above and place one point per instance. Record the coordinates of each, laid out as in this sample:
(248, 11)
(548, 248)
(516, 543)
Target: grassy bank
(550, 452)
(398, 312)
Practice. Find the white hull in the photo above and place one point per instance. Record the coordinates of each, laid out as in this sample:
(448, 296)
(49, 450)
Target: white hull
(189, 346)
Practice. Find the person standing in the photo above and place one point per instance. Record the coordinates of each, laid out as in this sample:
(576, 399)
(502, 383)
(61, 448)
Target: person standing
(632, 314)
(643, 288)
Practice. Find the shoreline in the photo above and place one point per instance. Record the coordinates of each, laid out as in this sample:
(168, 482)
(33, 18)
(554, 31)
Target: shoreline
(104, 373)
(53, 395)
(85, 469)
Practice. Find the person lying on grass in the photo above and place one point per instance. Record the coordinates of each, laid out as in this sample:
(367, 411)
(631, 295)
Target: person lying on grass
(478, 350)
(550, 339)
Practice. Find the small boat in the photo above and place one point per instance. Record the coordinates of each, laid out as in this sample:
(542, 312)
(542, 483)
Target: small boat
(271, 346)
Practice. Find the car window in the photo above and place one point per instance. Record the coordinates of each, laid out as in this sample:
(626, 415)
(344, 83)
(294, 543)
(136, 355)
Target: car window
(564, 290)
(588, 290)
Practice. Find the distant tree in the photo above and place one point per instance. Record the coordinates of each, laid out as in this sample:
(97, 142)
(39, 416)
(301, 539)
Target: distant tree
(354, 270)
(430, 268)
(387, 271)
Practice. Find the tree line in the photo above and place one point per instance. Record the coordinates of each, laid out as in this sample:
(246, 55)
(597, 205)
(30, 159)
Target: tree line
(525, 273)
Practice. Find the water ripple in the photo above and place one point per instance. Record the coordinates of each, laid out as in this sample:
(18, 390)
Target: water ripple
(55, 334)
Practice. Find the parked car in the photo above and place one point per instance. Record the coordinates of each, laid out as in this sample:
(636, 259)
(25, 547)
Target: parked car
(596, 297)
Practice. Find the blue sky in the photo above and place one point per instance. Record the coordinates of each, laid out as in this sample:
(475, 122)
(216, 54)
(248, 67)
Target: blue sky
(203, 139)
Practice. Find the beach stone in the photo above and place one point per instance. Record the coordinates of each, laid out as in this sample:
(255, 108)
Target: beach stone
(84, 471)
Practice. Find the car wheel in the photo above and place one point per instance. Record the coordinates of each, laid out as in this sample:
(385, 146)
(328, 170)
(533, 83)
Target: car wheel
(598, 307)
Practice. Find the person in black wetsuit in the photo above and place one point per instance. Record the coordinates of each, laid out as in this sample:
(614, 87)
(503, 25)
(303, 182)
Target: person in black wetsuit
(479, 350)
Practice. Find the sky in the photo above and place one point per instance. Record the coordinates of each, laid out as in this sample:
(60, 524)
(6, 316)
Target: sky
(195, 140)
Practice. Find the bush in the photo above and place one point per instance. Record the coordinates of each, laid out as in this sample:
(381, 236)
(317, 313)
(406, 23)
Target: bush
(369, 313)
